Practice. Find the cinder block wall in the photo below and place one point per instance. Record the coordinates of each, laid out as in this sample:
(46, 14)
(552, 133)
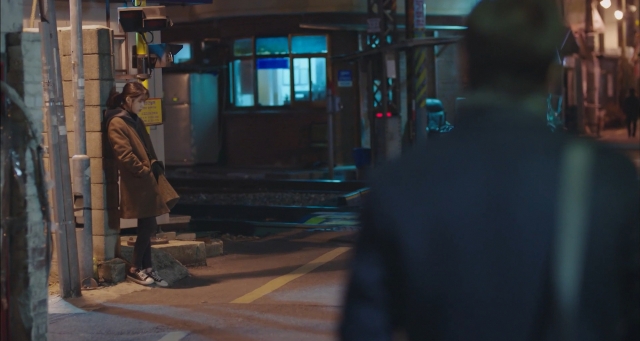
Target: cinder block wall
(99, 79)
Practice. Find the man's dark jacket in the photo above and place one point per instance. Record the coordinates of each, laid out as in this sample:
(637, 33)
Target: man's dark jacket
(457, 234)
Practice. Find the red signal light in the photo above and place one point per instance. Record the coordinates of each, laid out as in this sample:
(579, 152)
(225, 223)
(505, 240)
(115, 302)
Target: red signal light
(155, 23)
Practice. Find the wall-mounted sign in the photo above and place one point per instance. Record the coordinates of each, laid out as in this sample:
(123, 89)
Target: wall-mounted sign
(373, 25)
(345, 78)
(272, 63)
(151, 113)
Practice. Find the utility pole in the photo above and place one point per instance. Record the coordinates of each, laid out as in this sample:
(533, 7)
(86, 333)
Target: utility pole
(622, 41)
(636, 44)
(141, 48)
(64, 225)
(80, 161)
(332, 100)
(382, 77)
(592, 66)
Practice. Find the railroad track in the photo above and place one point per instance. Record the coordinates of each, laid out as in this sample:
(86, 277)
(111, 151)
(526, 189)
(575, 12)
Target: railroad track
(263, 214)
(198, 185)
(339, 212)
(246, 219)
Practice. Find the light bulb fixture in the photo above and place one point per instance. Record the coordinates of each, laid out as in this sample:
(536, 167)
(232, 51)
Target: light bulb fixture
(618, 14)
(605, 3)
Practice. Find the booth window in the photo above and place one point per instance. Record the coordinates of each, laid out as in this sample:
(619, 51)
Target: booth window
(278, 71)
(184, 55)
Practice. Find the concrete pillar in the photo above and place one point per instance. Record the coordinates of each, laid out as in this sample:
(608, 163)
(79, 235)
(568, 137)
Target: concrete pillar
(26, 225)
(449, 81)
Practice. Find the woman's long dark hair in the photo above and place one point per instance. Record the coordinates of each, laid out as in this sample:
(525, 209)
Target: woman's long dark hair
(131, 89)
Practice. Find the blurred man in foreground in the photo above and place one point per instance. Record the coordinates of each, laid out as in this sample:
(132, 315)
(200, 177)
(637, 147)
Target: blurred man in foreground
(503, 230)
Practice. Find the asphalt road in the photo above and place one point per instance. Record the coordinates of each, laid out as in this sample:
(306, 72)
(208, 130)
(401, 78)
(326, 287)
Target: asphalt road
(284, 287)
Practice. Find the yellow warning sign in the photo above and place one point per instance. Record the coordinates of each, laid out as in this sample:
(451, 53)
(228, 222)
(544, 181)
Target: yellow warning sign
(151, 113)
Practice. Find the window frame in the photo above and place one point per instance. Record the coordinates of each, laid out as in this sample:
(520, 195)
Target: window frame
(232, 75)
(293, 103)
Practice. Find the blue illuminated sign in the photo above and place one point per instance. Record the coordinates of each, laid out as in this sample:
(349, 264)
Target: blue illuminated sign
(273, 63)
(345, 78)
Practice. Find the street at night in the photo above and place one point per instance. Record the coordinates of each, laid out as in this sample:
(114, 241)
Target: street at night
(288, 286)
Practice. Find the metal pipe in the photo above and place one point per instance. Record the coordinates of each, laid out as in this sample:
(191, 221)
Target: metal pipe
(108, 13)
(422, 72)
(63, 224)
(5, 256)
(588, 19)
(622, 28)
(409, 11)
(579, 93)
(384, 88)
(33, 13)
(373, 123)
(81, 162)
(141, 45)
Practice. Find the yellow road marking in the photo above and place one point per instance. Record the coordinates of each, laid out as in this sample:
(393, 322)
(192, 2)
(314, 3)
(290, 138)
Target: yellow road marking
(174, 336)
(315, 220)
(276, 283)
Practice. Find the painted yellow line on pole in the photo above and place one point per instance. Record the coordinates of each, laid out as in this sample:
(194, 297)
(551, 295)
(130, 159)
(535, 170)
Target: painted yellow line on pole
(282, 280)
(420, 57)
(141, 45)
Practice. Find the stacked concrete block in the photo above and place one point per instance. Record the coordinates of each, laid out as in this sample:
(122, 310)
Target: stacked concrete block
(112, 271)
(99, 80)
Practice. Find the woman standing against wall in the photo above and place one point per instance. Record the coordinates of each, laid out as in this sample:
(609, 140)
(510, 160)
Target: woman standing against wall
(139, 170)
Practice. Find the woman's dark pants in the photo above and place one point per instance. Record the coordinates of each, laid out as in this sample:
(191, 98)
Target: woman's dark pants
(147, 227)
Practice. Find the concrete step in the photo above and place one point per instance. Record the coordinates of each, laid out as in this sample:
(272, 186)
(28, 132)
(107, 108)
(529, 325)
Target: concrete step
(187, 252)
(169, 221)
(167, 266)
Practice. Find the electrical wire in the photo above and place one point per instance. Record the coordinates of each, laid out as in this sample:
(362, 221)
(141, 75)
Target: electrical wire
(142, 35)
(152, 38)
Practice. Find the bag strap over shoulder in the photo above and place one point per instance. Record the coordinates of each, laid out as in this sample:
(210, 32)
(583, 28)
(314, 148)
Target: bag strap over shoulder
(571, 239)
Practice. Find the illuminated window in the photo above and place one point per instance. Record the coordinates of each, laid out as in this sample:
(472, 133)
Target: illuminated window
(243, 80)
(272, 46)
(243, 47)
(273, 81)
(278, 71)
(310, 79)
(308, 44)
(184, 55)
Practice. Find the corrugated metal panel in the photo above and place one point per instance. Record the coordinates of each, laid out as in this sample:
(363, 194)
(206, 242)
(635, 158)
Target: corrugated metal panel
(178, 137)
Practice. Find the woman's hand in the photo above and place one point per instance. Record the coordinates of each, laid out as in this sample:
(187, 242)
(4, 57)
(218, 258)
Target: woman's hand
(144, 172)
(157, 168)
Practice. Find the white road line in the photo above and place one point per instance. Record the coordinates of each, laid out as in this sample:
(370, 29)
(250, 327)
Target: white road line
(174, 336)
(58, 305)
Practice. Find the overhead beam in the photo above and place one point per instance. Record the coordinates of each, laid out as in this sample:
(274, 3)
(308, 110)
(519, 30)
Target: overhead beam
(403, 45)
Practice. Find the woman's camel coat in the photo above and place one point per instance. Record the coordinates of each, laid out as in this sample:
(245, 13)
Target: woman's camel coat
(139, 195)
